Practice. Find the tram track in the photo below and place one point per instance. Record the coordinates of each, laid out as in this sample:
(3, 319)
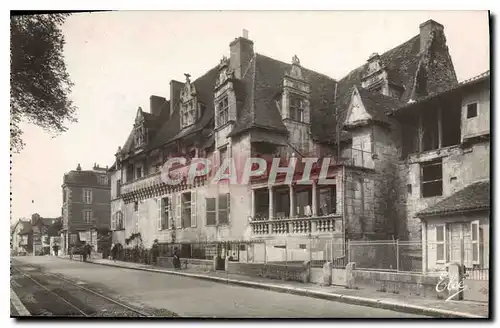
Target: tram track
(73, 298)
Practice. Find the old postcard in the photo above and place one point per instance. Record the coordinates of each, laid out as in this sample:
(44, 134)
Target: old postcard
(250, 164)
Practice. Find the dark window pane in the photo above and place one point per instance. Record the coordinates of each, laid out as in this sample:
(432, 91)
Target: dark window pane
(440, 252)
(222, 202)
(210, 204)
(211, 218)
(472, 110)
(223, 217)
(432, 172)
(431, 189)
(440, 233)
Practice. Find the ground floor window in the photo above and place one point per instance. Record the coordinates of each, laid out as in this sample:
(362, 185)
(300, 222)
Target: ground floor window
(186, 209)
(218, 210)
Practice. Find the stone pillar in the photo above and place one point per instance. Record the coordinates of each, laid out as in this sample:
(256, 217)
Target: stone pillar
(424, 247)
(455, 281)
(292, 201)
(314, 198)
(252, 212)
(226, 263)
(327, 274)
(271, 203)
(349, 271)
(214, 260)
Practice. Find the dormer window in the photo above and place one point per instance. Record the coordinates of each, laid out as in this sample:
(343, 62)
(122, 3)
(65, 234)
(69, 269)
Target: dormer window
(188, 114)
(222, 111)
(140, 136)
(297, 108)
(189, 104)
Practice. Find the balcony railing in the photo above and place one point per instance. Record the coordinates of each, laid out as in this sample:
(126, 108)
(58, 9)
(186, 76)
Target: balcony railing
(295, 226)
(142, 183)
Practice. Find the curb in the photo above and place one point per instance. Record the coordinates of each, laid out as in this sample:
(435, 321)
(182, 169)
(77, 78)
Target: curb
(18, 305)
(356, 300)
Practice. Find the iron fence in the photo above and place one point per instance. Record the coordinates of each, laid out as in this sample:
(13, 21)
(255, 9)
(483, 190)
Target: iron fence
(418, 257)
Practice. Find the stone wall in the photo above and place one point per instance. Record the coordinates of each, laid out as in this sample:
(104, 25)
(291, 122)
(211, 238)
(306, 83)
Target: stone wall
(398, 283)
(201, 265)
(299, 272)
(461, 166)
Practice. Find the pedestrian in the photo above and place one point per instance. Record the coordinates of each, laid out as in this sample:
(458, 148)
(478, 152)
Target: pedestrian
(114, 251)
(177, 259)
(84, 252)
(155, 250)
(72, 251)
(56, 249)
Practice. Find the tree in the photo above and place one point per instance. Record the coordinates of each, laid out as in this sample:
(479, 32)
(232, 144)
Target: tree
(40, 84)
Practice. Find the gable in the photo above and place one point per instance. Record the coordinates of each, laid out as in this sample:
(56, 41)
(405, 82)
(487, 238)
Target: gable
(356, 112)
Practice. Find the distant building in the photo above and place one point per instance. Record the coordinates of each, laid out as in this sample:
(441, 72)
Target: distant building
(21, 238)
(86, 207)
(42, 230)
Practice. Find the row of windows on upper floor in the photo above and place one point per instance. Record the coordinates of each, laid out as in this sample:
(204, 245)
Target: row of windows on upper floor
(222, 113)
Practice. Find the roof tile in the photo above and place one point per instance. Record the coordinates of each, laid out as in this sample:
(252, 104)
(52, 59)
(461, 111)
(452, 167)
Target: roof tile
(475, 196)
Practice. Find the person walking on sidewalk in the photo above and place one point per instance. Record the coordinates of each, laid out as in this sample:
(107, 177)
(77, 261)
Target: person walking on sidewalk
(114, 249)
(177, 259)
(155, 250)
(56, 249)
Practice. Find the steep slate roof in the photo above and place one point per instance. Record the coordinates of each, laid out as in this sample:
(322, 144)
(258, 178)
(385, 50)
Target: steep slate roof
(377, 104)
(171, 129)
(474, 197)
(485, 76)
(27, 229)
(401, 63)
(264, 85)
(261, 85)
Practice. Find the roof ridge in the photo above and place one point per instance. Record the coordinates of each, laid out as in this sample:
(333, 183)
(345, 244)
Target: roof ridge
(303, 67)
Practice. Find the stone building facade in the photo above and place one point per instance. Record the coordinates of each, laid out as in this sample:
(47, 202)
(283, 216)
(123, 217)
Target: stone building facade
(250, 105)
(86, 203)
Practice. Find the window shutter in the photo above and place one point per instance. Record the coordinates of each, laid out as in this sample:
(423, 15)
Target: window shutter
(113, 221)
(83, 197)
(90, 196)
(228, 207)
(474, 227)
(193, 209)
(169, 213)
(178, 207)
(159, 212)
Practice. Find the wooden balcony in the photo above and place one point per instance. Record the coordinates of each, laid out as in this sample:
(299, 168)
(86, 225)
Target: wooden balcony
(295, 226)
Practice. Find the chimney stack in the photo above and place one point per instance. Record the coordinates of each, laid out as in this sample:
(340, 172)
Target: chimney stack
(427, 29)
(155, 104)
(175, 95)
(241, 50)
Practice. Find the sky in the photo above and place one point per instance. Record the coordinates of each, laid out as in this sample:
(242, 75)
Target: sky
(117, 60)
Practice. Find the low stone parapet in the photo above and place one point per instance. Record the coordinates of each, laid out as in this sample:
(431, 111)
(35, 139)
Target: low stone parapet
(298, 272)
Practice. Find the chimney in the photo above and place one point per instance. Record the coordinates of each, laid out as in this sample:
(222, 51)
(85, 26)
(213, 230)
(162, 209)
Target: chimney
(241, 50)
(426, 33)
(155, 104)
(175, 94)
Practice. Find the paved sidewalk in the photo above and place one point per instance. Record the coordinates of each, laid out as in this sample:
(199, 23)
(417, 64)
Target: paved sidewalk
(401, 303)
